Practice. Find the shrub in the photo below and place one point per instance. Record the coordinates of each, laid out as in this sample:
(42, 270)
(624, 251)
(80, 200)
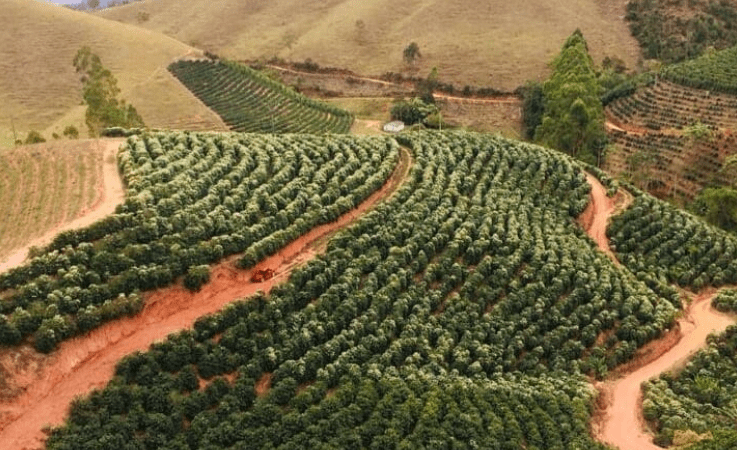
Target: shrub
(71, 132)
(34, 137)
(196, 277)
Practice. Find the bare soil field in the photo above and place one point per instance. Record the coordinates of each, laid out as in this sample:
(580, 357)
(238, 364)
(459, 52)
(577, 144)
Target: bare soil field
(38, 389)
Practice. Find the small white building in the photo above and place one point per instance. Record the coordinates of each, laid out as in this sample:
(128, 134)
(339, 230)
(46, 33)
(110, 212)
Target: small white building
(394, 127)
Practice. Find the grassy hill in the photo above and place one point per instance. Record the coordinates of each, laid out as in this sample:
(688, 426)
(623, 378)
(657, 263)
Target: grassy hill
(494, 42)
(40, 90)
(44, 185)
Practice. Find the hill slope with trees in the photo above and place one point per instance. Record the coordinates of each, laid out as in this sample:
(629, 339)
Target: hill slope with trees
(473, 277)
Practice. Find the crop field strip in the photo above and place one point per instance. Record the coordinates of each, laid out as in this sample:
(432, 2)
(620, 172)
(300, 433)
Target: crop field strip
(673, 164)
(55, 186)
(700, 398)
(473, 276)
(667, 105)
(192, 199)
(248, 101)
(655, 147)
(675, 247)
(715, 71)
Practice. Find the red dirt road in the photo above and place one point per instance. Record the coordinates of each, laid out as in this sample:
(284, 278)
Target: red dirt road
(88, 362)
(621, 423)
(596, 216)
(111, 195)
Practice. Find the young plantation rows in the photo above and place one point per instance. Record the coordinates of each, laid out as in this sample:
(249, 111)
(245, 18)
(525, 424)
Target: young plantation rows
(713, 71)
(666, 105)
(249, 101)
(464, 309)
(670, 165)
(192, 199)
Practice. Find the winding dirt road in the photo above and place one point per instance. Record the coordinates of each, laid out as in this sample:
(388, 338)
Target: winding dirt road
(111, 194)
(88, 362)
(621, 422)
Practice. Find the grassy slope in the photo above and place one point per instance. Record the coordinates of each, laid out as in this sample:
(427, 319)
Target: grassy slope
(494, 42)
(40, 90)
(44, 185)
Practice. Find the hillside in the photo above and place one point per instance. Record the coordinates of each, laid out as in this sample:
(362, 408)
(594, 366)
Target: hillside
(498, 289)
(490, 43)
(249, 101)
(47, 186)
(40, 90)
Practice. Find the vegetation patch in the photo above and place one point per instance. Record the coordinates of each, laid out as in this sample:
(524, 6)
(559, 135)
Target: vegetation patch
(474, 327)
(192, 199)
(249, 101)
(700, 398)
(677, 30)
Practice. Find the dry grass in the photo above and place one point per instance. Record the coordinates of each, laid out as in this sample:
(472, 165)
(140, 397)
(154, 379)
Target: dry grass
(494, 42)
(45, 185)
(40, 90)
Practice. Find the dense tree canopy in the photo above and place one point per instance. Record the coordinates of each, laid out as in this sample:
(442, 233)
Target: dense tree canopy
(100, 93)
(573, 121)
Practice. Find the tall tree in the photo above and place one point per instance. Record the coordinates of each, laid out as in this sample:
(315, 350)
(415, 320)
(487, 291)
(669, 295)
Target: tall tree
(100, 93)
(573, 121)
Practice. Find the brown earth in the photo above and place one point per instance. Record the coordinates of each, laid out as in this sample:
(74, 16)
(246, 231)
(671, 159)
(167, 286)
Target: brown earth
(46, 385)
(618, 420)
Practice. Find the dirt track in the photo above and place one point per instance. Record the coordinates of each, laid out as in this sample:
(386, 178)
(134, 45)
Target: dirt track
(620, 422)
(110, 196)
(88, 362)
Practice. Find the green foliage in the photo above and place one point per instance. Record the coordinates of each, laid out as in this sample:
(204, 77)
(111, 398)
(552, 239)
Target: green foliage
(673, 31)
(714, 71)
(701, 397)
(253, 102)
(718, 206)
(533, 107)
(412, 111)
(34, 137)
(411, 53)
(71, 132)
(192, 199)
(656, 238)
(100, 93)
(461, 312)
(196, 277)
(726, 300)
(573, 119)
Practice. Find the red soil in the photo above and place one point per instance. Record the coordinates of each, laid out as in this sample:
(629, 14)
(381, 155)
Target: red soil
(619, 421)
(88, 362)
(622, 421)
(596, 216)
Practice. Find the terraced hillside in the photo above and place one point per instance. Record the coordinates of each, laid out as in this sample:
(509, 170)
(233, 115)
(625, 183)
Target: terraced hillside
(672, 140)
(463, 292)
(249, 101)
(44, 185)
(674, 137)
